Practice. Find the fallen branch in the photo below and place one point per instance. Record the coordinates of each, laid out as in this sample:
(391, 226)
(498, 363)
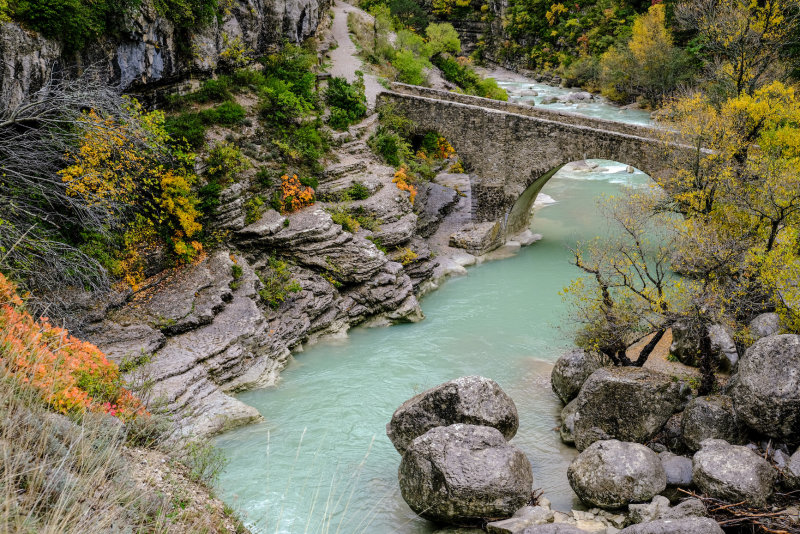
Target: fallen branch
(776, 519)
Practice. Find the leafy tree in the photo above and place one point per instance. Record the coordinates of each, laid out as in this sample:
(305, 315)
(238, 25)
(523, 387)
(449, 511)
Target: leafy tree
(409, 13)
(442, 38)
(728, 223)
(649, 65)
(748, 44)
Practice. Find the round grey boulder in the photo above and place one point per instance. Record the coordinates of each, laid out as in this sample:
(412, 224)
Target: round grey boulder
(677, 468)
(732, 473)
(624, 403)
(611, 474)
(689, 525)
(711, 417)
(473, 400)
(766, 393)
(567, 428)
(765, 324)
(571, 371)
(791, 473)
(686, 344)
(464, 474)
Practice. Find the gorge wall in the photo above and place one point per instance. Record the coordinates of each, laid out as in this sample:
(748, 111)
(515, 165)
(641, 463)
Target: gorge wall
(148, 50)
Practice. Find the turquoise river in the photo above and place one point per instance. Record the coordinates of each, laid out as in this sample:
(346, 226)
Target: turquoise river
(321, 461)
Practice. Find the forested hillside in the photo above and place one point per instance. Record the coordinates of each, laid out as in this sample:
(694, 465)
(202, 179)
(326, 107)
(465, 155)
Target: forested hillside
(627, 49)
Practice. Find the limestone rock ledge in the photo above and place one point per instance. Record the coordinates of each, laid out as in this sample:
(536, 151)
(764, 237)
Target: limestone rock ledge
(201, 333)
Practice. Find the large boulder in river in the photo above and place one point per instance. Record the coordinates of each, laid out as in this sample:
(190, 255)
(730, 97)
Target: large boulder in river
(571, 371)
(766, 394)
(711, 417)
(612, 474)
(732, 473)
(473, 400)
(464, 474)
(625, 403)
(688, 525)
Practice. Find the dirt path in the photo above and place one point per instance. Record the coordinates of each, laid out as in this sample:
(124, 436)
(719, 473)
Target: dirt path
(344, 59)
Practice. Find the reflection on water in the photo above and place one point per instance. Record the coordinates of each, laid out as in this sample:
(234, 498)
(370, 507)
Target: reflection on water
(322, 462)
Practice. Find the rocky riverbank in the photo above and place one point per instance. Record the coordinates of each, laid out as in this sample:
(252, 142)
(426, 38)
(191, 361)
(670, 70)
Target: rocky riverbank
(647, 442)
(201, 333)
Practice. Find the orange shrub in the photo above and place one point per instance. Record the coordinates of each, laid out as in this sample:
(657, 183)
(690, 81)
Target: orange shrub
(294, 195)
(444, 150)
(73, 376)
(401, 179)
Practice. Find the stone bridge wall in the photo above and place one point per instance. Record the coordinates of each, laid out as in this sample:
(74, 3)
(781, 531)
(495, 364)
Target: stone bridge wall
(508, 152)
(524, 109)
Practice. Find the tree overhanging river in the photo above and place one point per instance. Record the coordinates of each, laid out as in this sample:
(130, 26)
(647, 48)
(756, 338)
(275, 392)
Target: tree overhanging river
(321, 461)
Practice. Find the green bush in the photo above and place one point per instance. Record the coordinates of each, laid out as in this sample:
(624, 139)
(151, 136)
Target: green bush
(357, 191)
(390, 146)
(189, 126)
(409, 67)
(442, 38)
(467, 79)
(277, 283)
(227, 114)
(265, 177)
(310, 181)
(253, 209)
(347, 101)
(280, 104)
(293, 65)
(218, 90)
(75, 23)
(343, 218)
(408, 40)
(192, 125)
(223, 162)
(204, 460)
(248, 78)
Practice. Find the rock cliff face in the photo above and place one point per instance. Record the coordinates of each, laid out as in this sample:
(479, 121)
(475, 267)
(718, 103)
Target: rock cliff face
(149, 50)
(203, 332)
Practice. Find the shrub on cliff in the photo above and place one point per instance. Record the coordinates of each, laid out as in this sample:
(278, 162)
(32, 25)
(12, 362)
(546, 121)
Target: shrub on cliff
(71, 376)
(347, 101)
(76, 23)
(90, 180)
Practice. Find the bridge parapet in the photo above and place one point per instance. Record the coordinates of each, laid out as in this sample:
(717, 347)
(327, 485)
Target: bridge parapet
(528, 110)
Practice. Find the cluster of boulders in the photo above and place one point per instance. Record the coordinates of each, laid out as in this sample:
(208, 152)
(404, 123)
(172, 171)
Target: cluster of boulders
(642, 435)
(458, 467)
(575, 97)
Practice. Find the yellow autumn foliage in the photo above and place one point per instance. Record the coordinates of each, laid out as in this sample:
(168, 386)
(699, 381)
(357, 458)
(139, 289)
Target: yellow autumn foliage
(131, 167)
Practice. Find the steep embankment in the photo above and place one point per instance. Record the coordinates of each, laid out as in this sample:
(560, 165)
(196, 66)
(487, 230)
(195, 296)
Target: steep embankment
(149, 49)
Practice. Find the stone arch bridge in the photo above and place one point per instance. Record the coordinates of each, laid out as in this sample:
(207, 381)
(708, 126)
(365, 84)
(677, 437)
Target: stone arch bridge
(513, 150)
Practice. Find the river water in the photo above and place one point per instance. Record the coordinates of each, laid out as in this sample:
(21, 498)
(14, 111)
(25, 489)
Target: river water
(321, 462)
